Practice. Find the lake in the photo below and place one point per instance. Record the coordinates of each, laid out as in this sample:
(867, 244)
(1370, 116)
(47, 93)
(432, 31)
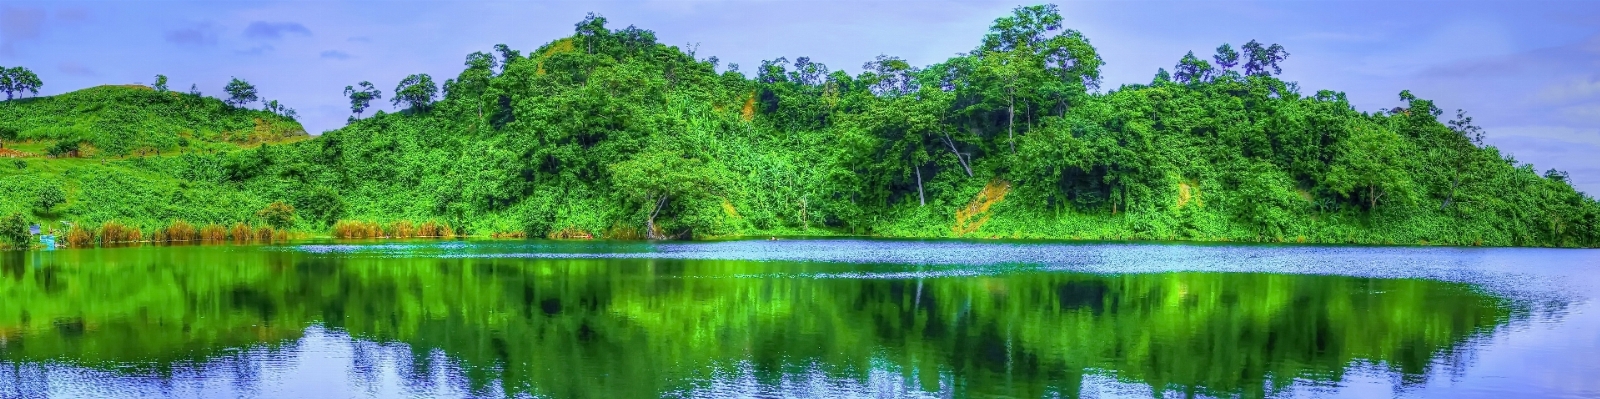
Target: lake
(798, 318)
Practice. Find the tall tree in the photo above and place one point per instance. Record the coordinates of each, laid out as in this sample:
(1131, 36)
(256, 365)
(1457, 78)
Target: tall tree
(8, 82)
(240, 92)
(16, 80)
(1191, 69)
(507, 55)
(1226, 58)
(161, 84)
(1259, 58)
(1468, 138)
(361, 96)
(474, 81)
(1029, 58)
(416, 92)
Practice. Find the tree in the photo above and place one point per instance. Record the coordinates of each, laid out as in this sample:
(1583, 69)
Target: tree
(1372, 163)
(1226, 58)
(1463, 147)
(1162, 76)
(416, 92)
(278, 214)
(1259, 58)
(8, 133)
(240, 92)
(49, 196)
(1028, 58)
(194, 90)
(889, 76)
(474, 81)
(658, 176)
(7, 82)
(14, 231)
(16, 80)
(361, 98)
(1191, 69)
(161, 84)
(507, 55)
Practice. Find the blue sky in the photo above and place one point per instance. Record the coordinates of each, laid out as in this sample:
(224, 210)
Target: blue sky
(1529, 72)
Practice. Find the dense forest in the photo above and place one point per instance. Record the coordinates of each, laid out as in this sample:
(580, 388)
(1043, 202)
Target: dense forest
(609, 133)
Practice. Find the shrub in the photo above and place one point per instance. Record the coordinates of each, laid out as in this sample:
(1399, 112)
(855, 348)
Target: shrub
(278, 215)
(14, 231)
(63, 148)
(50, 196)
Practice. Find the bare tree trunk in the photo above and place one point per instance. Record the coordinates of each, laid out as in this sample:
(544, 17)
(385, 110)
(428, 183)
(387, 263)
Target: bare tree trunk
(650, 224)
(959, 158)
(1011, 121)
(923, 200)
(1452, 197)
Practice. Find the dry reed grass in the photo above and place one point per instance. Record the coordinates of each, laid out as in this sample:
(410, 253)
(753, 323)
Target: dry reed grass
(79, 237)
(115, 232)
(213, 233)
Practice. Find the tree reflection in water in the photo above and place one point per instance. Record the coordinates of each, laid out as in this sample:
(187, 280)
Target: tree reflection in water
(645, 328)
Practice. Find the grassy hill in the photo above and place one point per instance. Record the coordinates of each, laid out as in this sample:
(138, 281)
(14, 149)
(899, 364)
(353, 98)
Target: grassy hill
(135, 158)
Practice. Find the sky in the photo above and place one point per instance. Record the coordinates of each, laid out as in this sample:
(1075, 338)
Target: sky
(1527, 71)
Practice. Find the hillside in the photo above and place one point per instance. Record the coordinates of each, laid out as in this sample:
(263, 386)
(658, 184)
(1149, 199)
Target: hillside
(110, 151)
(609, 133)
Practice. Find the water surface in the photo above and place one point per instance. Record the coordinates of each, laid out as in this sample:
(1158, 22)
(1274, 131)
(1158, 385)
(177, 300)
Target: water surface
(802, 318)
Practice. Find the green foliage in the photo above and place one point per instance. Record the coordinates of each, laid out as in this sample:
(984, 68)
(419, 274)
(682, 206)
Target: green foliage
(49, 196)
(240, 92)
(278, 214)
(119, 120)
(161, 83)
(416, 92)
(361, 98)
(14, 231)
(608, 130)
(18, 80)
(64, 147)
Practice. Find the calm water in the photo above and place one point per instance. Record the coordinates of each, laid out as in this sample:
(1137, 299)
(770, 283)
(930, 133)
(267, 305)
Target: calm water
(824, 318)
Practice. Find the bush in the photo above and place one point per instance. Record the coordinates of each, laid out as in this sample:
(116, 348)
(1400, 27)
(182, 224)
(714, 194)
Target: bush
(67, 148)
(14, 231)
(49, 197)
(278, 215)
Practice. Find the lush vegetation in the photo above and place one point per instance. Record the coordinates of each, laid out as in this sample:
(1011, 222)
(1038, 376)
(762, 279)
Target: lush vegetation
(649, 328)
(608, 133)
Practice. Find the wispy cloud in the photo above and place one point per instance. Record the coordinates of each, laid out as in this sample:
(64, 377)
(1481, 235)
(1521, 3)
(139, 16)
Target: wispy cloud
(18, 25)
(335, 55)
(1581, 88)
(75, 69)
(203, 34)
(257, 50)
(274, 30)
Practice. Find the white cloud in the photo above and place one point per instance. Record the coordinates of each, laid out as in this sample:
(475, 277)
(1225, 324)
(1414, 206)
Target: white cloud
(1574, 89)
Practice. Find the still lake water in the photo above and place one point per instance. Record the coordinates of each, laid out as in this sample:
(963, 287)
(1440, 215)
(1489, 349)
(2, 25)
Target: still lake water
(801, 318)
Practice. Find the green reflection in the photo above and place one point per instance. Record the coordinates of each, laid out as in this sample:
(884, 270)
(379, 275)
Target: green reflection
(644, 328)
